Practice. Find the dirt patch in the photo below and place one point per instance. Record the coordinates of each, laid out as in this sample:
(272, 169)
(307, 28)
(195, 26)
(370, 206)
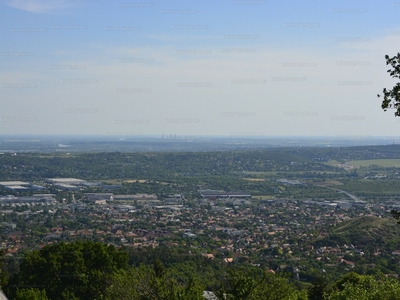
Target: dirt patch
(136, 180)
(254, 179)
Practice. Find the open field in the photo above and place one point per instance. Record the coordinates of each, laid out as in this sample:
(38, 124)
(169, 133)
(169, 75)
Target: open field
(264, 197)
(387, 163)
(112, 181)
(344, 165)
(254, 179)
(260, 174)
(332, 162)
(368, 187)
(366, 222)
(327, 183)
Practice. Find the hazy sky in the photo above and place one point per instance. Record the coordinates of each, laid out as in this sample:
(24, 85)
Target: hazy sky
(197, 67)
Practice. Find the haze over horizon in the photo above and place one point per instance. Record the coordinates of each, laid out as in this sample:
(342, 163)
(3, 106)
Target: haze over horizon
(242, 68)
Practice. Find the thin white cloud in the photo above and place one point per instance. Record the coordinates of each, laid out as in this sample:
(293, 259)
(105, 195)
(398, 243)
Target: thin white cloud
(38, 6)
(337, 97)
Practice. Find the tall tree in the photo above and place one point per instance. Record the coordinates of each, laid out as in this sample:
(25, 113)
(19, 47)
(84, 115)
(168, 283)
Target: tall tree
(391, 98)
(318, 288)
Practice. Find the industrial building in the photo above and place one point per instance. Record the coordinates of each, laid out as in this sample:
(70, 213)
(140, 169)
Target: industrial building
(135, 197)
(93, 197)
(36, 199)
(65, 180)
(20, 186)
(214, 194)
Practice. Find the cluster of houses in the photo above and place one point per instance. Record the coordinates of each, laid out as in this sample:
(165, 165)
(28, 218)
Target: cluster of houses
(232, 227)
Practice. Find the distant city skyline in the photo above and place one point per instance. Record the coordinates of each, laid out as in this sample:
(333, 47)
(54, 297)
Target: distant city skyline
(240, 68)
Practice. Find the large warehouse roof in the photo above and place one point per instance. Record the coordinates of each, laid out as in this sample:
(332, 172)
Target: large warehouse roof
(11, 183)
(65, 180)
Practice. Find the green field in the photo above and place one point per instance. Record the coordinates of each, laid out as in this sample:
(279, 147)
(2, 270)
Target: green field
(254, 179)
(262, 174)
(263, 197)
(366, 223)
(387, 163)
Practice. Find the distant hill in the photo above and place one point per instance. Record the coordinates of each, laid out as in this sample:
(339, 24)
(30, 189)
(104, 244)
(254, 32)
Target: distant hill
(361, 231)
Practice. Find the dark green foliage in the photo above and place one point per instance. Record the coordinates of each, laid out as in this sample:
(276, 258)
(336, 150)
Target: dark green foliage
(88, 270)
(255, 284)
(3, 271)
(179, 262)
(365, 287)
(151, 283)
(251, 284)
(350, 278)
(30, 294)
(396, 215)
(391, 98)
(78, 270)
(240, 285)
(318, 288)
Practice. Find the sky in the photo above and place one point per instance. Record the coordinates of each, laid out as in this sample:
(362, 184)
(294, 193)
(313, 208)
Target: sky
(242, 68)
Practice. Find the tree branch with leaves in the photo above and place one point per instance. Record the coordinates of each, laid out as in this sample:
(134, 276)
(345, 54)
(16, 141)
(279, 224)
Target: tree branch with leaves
(391, 98)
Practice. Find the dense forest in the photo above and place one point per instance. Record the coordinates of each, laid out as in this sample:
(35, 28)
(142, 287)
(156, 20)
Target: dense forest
(89, 270)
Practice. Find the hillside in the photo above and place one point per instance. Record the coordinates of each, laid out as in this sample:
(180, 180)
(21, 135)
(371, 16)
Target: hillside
(362, 231)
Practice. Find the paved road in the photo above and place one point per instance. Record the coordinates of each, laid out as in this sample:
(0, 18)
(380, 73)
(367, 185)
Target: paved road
(344, 192)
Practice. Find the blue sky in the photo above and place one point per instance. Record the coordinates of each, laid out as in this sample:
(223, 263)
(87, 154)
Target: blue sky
(230, 68)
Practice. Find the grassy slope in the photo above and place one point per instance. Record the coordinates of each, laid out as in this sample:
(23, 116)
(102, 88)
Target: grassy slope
(364, 230)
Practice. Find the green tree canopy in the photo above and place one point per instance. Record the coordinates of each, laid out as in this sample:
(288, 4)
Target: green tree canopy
(79, 270)
(151, 283)
(31, 294)
(254, 284)
(365, 287)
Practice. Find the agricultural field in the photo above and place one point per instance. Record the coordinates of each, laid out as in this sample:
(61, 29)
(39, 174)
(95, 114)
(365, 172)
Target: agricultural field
(254, 179)
(263, 197)
(386, 163)
(136, 180)
(328, 183)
